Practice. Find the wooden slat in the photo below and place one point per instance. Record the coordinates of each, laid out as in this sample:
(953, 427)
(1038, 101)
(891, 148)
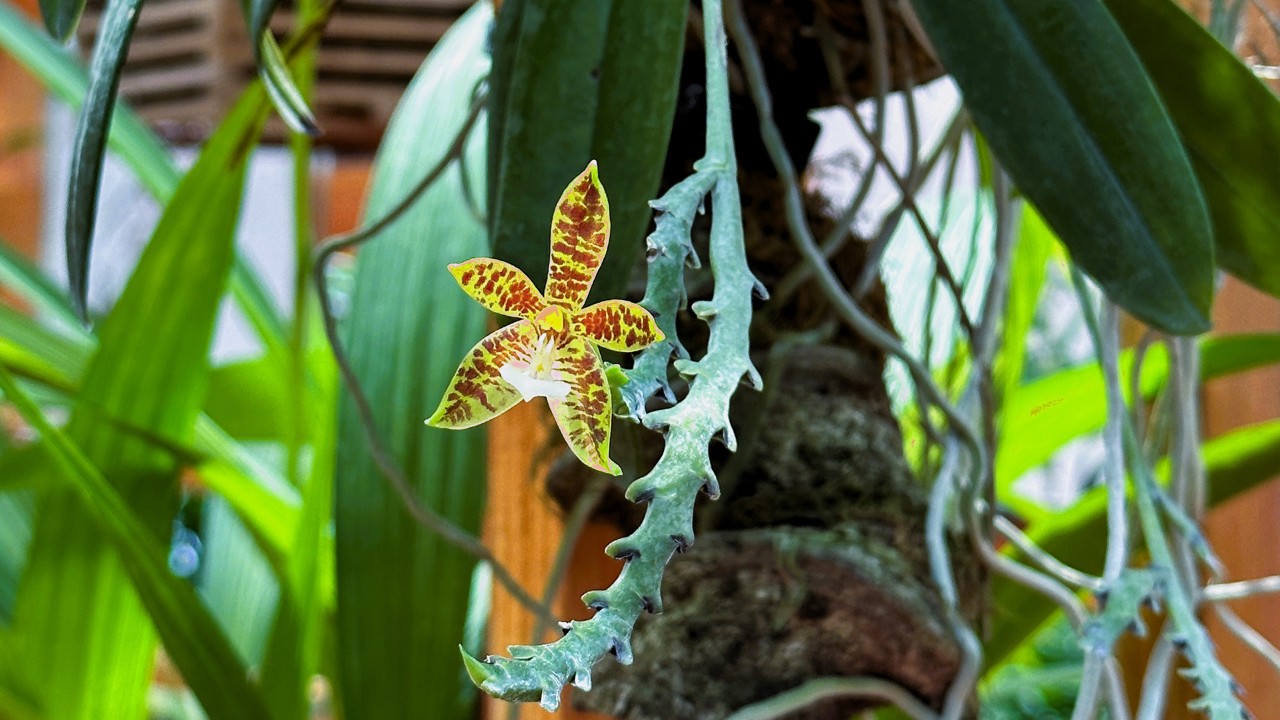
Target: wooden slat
(174, 12)
(454, 6)
(155, 82)
(152, 49)
(350, 26)
(379, 61)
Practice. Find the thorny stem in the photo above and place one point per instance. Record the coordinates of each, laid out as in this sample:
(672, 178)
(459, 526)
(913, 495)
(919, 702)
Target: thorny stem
(541, 672)
(422, 514)
(573, 525)
(1215, 684)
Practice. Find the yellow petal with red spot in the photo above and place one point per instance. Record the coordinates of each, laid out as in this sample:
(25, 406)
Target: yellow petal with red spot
(579, 239)
(499, 286)
(586, 414)
(617, 325)
(477, 392)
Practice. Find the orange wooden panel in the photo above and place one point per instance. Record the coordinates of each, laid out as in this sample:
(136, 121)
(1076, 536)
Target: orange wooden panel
(21, 146)
(348, 185)
(523, 527)
(1246, 531)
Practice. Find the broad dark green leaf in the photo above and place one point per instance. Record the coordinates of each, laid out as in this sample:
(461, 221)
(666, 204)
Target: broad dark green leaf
(150, 374)
(1065, 103)
(89, 150)
(1230, 124)
(574, 82)
(61, 17)
(190, 634)
(1041, 417)
(1234, 462)
(402, 591)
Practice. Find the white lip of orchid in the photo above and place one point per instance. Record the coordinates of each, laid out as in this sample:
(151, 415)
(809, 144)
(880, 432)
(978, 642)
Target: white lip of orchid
(536, 377)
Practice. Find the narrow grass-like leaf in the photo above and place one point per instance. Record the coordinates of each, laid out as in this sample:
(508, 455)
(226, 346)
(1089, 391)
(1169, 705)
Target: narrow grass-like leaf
(1043, 416)
(1234, 462)
(17, 701)
(90, 147)
(276, 78)
(17, 508)
(22, 277)
(573, 82)
(402, 591)
(1065, 103)
(61, 17)
(1026, 279)
(190, 634)
(262, 499)
(247, 399)
(237, 583)
(149, 373)
(136, 145)
(1230, 124)
(297, 638)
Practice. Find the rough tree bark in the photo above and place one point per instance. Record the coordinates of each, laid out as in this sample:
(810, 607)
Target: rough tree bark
(812, 563)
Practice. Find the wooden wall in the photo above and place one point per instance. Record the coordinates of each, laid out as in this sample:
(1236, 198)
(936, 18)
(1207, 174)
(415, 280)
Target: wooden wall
(21, 151)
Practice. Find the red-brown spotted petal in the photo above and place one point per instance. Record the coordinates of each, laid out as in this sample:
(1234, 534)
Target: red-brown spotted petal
(477, 393)
(617, 325)
(579, 239)
(586, 414)
(499, 286)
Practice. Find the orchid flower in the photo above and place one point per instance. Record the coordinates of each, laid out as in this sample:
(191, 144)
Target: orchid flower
(551, 351)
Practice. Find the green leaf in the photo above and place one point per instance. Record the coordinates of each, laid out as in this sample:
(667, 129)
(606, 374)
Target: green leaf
(17, 508)
(402, 591)
(573, 82)
(1230, 125)
(136, 145)
(1041, 417)
(247, 399)
(263, 499)
(236, 582)
(1063, 100)
(1234, 462)
(150, 374)
(273, 69)
(298, 636)
(190, 634)
(109, 50)
(61, 17)
(276, 78)
(1027, 274)
(18, 274)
